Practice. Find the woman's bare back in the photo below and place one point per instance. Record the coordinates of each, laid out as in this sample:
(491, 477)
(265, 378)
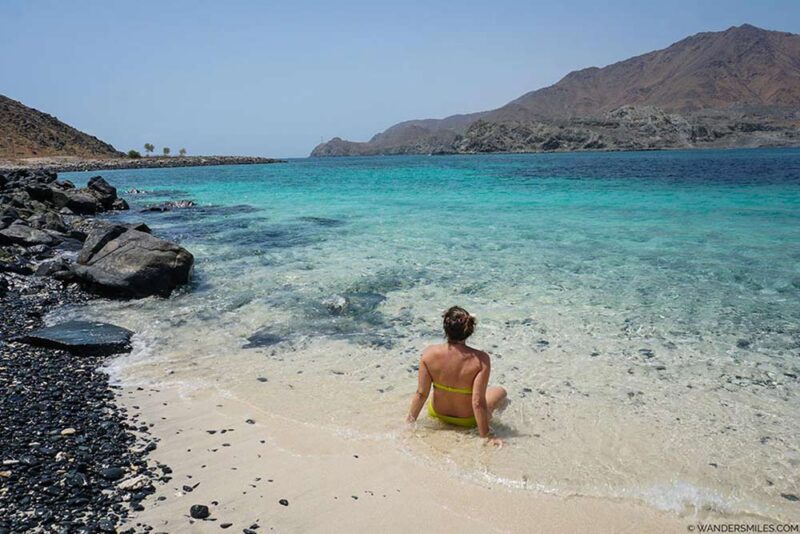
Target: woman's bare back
(456, 366)
(459, 377)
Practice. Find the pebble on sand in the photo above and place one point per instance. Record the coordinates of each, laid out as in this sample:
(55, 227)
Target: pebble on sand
(199, 511)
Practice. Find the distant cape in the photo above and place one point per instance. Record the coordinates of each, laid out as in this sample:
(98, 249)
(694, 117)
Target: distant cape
(735, 88)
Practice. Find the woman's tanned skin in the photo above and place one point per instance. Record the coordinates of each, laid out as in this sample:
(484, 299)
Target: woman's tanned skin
(458, 365)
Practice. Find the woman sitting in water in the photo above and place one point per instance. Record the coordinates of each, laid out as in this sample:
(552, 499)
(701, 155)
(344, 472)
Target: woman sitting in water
(460, 376)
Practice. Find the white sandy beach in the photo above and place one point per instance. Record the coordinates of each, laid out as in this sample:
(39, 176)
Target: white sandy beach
(335, 483)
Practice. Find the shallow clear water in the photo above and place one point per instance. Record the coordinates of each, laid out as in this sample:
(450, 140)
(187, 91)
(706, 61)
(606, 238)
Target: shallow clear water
(643, 309)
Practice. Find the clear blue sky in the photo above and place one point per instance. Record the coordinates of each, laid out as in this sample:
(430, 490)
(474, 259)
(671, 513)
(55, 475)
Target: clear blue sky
(272, 78)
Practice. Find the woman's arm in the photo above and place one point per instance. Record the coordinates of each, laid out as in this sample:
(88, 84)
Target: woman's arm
(479, 397)
(423, 390)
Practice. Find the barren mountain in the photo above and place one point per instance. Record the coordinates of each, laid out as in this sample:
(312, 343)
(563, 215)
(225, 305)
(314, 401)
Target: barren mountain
(27, 132)
(738, 87)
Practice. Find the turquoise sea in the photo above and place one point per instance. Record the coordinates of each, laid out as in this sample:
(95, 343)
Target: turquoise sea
(642, 309)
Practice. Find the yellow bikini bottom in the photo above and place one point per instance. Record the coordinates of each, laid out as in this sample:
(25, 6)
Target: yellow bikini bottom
(467, 422)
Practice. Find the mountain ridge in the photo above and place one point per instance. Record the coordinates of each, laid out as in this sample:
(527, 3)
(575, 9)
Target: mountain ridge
(715, 82)
(27, 132)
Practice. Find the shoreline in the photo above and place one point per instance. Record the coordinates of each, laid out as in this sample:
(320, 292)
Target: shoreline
(72, 458)
(562, 151)
(254, 467)
(249, 456)
(78, 164)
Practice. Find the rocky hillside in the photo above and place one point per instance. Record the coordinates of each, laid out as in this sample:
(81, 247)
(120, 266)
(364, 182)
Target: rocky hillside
(27, 132)
(738, 87)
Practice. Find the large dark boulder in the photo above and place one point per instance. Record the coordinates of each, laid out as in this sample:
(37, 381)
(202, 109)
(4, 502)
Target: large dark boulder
(82, 337)
(23, 177)
(98, 238)
(104, 192)
(132, 264)
(20, 234)
(40, 192)
(7, 216)
(48, 220)
(77, 201)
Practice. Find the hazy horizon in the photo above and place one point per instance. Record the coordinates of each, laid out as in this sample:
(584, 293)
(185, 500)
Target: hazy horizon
(248, 79)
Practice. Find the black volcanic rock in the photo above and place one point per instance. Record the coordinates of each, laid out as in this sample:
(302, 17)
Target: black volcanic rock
(82, 337)
(62, 432)
(76, 201)
(41, 217)
(199, 511)
(133, 264)
(104, 192)
(170, 205)
(21, 234)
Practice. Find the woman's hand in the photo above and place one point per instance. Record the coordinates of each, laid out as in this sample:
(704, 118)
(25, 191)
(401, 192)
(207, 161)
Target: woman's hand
(495, 441)
(410, 419)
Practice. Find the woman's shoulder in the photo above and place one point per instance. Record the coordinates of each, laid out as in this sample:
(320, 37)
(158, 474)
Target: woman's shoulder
(481, 355)
(433, 350)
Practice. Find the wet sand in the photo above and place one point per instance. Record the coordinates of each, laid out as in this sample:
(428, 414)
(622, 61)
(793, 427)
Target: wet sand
(247, 460)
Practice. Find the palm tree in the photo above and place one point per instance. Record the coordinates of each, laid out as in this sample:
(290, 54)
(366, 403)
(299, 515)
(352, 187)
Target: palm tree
(166, 151)
(149, 147)
(182, 152)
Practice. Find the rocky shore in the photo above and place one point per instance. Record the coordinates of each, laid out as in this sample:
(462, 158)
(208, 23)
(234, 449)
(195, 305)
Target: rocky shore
(628, 128)
(72, 164)
(71, 460)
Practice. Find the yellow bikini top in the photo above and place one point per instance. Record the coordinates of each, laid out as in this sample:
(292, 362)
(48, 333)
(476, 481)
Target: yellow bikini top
(442, 387)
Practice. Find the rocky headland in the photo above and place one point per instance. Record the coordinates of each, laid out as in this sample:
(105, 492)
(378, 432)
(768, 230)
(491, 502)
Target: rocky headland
(735, 88)
(33, 140)
(71, 460)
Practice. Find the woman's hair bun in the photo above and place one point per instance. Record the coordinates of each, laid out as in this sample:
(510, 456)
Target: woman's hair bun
(458, 324)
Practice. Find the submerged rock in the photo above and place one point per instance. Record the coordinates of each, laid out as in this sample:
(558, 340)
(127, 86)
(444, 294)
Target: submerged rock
(118, 261)
(82, 337)
(356, 303)
(336, 304)
(262, 338)
(174, 204)
(322, 221)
